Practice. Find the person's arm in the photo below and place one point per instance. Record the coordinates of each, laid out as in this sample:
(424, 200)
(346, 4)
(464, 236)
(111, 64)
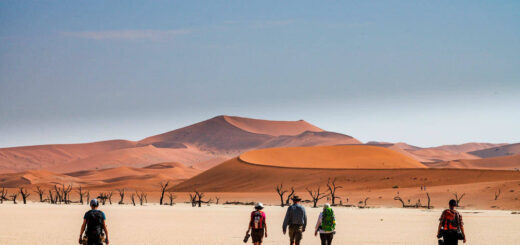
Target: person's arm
(82, 229)
(265, 225)
(318, 223)
(286, 220)
(106, 230)
(304, 219)
(441, 220)
(462, 228)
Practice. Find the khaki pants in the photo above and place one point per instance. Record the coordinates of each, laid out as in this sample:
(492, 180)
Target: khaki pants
(295, 233)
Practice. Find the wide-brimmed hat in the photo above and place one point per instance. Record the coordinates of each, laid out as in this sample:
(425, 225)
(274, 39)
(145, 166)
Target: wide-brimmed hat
(259, 206)
(296, 198)
(94, 203)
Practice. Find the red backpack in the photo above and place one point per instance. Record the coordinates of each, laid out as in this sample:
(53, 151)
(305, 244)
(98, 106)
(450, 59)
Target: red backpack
(257, 220)
(451, 220)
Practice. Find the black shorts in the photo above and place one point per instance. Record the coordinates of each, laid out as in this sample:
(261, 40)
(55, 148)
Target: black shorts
(257, 235)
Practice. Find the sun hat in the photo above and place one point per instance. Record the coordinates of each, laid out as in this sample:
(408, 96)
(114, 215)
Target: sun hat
(259, 205)
(94, 203)
(296, 198)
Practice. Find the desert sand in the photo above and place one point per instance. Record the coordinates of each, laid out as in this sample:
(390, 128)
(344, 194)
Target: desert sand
(221, 224)
(496, 163)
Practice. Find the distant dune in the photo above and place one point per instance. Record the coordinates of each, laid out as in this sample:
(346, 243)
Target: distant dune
(341, 157)
(495, 163)
(504, 150)
(237, 176)
(147, 178)
(202, 145)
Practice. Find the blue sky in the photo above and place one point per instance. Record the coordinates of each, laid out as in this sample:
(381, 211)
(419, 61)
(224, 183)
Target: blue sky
(426, 73)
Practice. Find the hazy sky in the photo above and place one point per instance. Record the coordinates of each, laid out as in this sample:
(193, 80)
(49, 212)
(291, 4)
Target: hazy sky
(423, 72)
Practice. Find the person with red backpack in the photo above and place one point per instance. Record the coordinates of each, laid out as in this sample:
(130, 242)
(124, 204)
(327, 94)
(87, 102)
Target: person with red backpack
(451, 227)
(257, 225)
(94, 222)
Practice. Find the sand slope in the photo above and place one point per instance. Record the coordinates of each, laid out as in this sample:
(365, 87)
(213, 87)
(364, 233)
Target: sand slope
(237, 176)
(274, 128)
(497, 163)
(505, 150)
(341, 157)
(146, 178)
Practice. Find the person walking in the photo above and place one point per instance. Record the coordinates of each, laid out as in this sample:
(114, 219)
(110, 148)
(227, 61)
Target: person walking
(257, 225)
(451, 227)
(296, 220)
(326, 225)
(94, 221)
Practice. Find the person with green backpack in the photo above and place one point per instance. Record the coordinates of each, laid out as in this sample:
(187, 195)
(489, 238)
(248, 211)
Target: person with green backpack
(326, 225)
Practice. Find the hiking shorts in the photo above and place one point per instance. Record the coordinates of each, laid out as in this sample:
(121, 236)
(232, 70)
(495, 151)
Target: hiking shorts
(295, 233)
(257, 235)
(450, 237)
(94, 240)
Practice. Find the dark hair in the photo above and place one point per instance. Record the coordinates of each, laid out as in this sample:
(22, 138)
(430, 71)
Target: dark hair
(453, 203)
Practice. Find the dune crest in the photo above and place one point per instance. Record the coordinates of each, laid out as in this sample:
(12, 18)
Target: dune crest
(337, 157)
(274, 128)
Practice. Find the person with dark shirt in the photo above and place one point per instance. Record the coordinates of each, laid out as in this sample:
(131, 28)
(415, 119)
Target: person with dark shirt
(94, 222)
(450, 225)
(296, 219)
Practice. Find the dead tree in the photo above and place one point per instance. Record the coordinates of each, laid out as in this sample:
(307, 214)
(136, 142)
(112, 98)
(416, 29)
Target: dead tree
(13, 197)
(364, 203)
(88, 197)
(103, 197)
(25, 194)
(133, 199)
(199, 195)
(193, 200)
(58, 196)
(217, 200)
(163, 189)
(428, 195)
(281, 192)
(316, 196)
(51, 198)
(289, 196)
(497, 194)
(81, 194)
(40, 193)
(66, 193)
(121, 195)
(458, 198)
(398, 198)
(3, 195)
(109, 197)
(171, 197)
(141, 196)
(332, 190)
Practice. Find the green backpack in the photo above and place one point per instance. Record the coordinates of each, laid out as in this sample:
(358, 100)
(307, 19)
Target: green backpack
(327, 220)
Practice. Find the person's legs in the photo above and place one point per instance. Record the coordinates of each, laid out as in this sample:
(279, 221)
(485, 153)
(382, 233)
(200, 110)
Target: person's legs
(329, 239)
(323, 239)
(450, 238)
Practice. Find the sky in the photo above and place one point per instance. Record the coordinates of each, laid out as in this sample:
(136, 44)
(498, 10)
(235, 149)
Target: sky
(423, 72)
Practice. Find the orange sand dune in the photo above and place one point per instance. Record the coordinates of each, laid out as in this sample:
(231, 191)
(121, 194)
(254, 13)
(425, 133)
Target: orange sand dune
(341, 157)
(147, 178)
(274, 128)
(237, 176)
(135, 157)
(497, 163)
(309, 138)
(437, 155)
(505, 150)
(16, 159)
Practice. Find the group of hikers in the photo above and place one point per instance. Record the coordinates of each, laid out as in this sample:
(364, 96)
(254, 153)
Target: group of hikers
(451, 228)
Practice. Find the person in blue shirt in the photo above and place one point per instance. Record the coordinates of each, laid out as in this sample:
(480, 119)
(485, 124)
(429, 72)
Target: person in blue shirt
(296, 219)
(94, 222)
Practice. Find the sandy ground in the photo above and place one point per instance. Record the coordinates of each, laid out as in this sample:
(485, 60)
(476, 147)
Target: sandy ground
(181, 224)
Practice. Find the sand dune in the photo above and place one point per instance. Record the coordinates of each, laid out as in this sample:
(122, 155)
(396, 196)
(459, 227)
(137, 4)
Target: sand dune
(467, 147)
(274, 128)
(237, 176)
(16, 159)
(146, 178)
(341, 157)
(505, 150)
(497, 163)
(309, 138)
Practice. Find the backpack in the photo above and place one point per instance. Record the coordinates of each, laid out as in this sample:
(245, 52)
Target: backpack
(328, 223)
(451, 220)
(257, 220)
(94, 223)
